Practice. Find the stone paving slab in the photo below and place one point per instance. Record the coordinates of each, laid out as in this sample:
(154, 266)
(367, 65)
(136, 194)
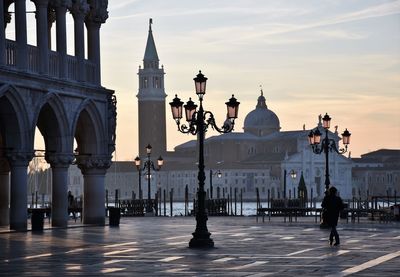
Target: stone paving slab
(157, 246)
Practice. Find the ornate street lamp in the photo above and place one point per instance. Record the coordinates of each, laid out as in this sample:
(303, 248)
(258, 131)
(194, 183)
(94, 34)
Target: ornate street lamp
(219, 175)
(148, 165)
(327, 145)
(137, 163)
(198, 123)
(293, 175)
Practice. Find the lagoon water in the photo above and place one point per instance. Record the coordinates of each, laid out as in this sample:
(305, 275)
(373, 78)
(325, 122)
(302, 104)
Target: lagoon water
(248, 208)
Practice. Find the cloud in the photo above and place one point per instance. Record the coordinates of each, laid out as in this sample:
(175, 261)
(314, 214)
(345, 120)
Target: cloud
(243, 33)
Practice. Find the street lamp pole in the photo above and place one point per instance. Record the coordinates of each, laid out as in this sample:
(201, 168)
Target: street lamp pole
(148, 165)
(327, 145)
(198, 122)
(219, 174)
(137, 163)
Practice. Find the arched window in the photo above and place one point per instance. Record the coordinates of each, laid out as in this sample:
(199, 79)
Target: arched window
(156, 82)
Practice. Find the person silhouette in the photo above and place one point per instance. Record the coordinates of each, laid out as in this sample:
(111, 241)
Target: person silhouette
(333, 204)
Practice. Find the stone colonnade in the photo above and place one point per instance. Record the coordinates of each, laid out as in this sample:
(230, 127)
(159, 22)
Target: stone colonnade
(91, 13)
(63, 109)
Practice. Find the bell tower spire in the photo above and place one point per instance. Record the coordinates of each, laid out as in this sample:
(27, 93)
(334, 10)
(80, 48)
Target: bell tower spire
(151, 100)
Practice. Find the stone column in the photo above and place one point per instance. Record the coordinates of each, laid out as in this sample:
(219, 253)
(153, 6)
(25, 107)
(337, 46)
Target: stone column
(59, 192)
(94, 171)
(2, 36)
(98, 14)
(4, 192)
(61, 36)
(93, 34)
(18, 190)
(42, 35)
(51, 18)
(21, 36)
(79, 10)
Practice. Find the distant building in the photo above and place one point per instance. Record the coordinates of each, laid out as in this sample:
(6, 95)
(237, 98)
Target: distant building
(255, 158)
(377, 173)
(151, 98)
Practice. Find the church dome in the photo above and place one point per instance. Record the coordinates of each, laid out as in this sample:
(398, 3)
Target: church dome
(261, 121)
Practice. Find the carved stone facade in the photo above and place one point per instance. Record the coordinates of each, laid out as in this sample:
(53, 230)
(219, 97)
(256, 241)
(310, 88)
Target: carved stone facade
(62, 97)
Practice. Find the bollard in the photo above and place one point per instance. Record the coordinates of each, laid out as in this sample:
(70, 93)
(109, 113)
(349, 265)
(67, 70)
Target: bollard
(114, 216)
(37, 219)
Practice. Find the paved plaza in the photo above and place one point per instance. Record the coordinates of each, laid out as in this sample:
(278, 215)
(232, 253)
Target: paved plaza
(158, 246)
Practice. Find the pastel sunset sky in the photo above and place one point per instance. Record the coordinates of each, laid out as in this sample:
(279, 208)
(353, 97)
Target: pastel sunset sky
(311, 57)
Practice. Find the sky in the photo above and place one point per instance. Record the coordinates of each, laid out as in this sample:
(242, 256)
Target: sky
(340, 57)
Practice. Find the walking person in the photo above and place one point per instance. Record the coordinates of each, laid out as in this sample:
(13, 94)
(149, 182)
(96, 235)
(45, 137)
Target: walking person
(332, 204)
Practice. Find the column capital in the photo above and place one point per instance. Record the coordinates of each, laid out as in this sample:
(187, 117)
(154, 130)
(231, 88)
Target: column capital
(79, 9)
(19, 158)
(98, 11)
(59, 160)
(51, 17)
(7, 18)
(94, 164)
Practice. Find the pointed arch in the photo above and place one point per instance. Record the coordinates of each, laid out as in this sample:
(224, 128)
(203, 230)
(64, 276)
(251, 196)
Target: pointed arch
(14, 121)
(88, 129)
(52, 121)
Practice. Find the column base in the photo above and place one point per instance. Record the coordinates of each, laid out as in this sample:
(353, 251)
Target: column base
(201, 241)
(20, 226)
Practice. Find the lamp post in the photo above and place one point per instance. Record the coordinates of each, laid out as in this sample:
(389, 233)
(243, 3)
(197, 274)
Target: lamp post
(219, 175)
(137, 163)
(198, 123)
(293, 175)
(327, 145)
(148, 165)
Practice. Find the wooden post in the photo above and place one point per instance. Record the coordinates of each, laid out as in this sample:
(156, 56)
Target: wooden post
(387, 194)
(171, 199)
(160, 200)
(235, 200)
(228, 204)
(186, 199)
(165, 203)
(241, 202)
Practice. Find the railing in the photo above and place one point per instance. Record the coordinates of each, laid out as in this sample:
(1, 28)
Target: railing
(33, 59)
(72, 68)
(54, 63)
(11, 53)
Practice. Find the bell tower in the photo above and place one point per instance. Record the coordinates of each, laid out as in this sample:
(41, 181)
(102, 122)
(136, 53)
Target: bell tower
(151, 101)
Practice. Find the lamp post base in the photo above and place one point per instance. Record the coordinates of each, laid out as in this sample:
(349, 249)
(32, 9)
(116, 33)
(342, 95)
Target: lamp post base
(201, 241)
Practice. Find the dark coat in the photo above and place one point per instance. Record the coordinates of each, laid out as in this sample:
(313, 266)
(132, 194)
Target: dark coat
(333, 205)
